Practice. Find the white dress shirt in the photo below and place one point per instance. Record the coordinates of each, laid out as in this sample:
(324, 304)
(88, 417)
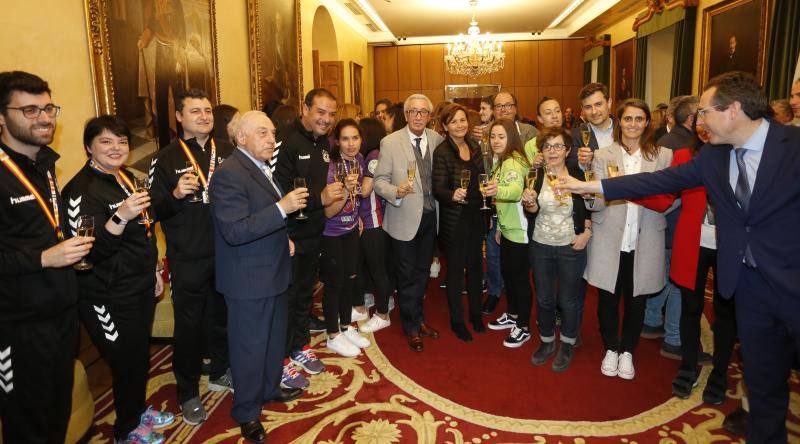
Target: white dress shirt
(752, 157)
(423, 144)
(604, 136)
(631, 164)
(264, 167)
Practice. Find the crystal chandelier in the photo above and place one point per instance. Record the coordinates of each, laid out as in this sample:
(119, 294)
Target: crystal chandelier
(474, 54)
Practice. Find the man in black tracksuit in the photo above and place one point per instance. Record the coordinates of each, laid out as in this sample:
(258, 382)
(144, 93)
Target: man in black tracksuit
(304, 152)
(38, 293)
(190, 251)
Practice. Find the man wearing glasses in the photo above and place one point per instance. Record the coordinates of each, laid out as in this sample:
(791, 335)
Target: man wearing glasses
(403, 178)
(505, 107)
(38, 290)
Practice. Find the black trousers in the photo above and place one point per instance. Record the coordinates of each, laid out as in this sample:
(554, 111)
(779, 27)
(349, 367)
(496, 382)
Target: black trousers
(194, 298)
(120, 329)
(516, 270)
(465, 254)
(724, 327)
(257, 340)
(338, 265)
(305, 271)
(373, 244)
(413, 259)
(37, 366)
(608, 310)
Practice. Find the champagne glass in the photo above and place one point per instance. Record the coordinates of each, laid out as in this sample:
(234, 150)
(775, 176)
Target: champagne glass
(357, 171)
(465, 175)
(191, 170)
(412, 172)
(483, 180)
(530, 179)
(552, 179)
(589, 176)
(613, 168)
(142, 185)
(300, 182)
(486, 153)
(85, 228)
(339, 172)
(586, 134)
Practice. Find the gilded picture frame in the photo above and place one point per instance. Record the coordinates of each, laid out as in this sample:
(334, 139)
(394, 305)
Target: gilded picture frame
(356, 84)
(139, 60)
(729, 41)
(276, 55)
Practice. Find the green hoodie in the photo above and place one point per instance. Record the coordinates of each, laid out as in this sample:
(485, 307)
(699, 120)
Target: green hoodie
(511, 218)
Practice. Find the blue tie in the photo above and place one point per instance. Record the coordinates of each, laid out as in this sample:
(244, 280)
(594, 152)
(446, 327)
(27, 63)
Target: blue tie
(742, 194)
(417, 141)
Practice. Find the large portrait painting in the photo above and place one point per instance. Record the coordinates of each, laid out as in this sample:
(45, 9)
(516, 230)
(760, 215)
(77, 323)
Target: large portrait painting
(623, 71)
(734, 38)
(143, 53)
(275, 53)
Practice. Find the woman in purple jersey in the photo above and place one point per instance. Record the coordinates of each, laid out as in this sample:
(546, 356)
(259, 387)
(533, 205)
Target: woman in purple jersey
(340, 249)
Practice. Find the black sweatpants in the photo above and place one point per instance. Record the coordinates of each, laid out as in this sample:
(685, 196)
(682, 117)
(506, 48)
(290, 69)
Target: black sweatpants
(305, 271)
(37, 366)
(373, 243)
(464, 254)
(194, 298)
(338, 265)
(120, 329)
(516, 270)
(608, 310)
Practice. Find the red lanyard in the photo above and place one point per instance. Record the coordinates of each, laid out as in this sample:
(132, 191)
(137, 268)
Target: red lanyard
(52, 216)
(211, 165)
(130, 185)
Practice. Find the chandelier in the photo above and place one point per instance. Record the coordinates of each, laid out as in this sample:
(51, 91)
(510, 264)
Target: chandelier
(474, 54)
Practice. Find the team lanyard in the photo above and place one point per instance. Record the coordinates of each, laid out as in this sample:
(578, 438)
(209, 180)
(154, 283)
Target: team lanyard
(211, 165)
(127, 192)
(52, 216)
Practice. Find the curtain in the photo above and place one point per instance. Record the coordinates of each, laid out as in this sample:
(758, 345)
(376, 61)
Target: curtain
(783, 48)
(604, 67)
(640, 69)
(587, 72)
(683, 54)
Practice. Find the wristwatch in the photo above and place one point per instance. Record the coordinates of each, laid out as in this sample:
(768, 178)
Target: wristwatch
(118, 220)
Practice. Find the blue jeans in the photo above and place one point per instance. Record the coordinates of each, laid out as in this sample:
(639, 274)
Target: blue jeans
(671, 296)
(493, 262)
(557, 274)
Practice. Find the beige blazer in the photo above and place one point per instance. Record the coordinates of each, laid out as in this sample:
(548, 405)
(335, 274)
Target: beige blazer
(608, 225)
(402, 216)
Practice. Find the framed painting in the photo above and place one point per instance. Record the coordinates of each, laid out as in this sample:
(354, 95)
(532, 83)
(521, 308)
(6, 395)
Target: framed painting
(276, 73)
(143, 53)
(356, 84)
(623, 70)
(734, 38)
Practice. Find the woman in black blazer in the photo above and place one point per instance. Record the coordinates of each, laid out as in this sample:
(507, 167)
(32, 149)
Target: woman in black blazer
(461, 225)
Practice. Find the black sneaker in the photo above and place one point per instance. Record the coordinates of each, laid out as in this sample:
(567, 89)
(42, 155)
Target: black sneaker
(684, 383)
(563, 357)
(716, 386)
(315, 324)
(443, 283)
(649, 332)
(545, 351)
(517, 337)
(671, 351)
(490, 304)
(503, 322)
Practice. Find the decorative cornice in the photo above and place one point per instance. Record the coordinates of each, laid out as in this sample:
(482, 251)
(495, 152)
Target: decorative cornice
(592, 41)
(658, 6)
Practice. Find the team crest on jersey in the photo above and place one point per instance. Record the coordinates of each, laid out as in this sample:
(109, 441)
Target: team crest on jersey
(326, 157)
(372, 165)
(512, 176)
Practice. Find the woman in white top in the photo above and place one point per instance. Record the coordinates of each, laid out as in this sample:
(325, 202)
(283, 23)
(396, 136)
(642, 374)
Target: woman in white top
(626, 252)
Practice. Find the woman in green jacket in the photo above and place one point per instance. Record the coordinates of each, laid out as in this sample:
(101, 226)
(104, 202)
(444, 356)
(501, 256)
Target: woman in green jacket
(508, 181)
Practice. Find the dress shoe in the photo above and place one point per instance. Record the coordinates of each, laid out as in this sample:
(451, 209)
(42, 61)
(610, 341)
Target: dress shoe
(253, 431)
(461, 331)
(427, 331)
(736, 422)
(477, 324)
(287, 395)
(415, 342)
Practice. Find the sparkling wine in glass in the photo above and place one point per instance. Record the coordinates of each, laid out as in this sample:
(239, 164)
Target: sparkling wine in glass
(142, 185)
(300, 182)
(589, 176)
(465, 176)
(586, 134)
(412, 172)
(191, 170)
(339, 172)
(530, 179)
(85, 229)
(552, 179)
(483, 181)
(613, 168)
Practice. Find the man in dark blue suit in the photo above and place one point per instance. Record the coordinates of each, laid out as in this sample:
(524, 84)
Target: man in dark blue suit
(254, 268)
(750, 171)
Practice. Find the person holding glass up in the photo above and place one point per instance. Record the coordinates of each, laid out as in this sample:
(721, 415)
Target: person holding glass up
(561, 231)
(457, 163)
(626, 255)
(340, 248)
(117, 291)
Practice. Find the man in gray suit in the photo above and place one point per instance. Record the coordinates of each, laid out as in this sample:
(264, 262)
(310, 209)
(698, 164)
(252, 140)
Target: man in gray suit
(505, 107)
(410, 216)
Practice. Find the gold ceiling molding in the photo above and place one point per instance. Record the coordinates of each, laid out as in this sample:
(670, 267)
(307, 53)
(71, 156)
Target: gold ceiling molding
(658, 6)
(593, 42)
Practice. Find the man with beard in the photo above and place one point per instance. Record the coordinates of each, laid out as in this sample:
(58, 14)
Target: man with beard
(38, 291)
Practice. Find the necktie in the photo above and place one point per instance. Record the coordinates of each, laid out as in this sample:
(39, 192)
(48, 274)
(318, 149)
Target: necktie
(417, 141)
(742, 194)
(268, 172)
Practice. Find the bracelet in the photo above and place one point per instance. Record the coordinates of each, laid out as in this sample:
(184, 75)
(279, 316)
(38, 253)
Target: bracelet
(118, 220)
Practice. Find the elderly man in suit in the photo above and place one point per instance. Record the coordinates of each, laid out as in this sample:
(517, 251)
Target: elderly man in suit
(410, 216)
(254, 268)
(750, 173)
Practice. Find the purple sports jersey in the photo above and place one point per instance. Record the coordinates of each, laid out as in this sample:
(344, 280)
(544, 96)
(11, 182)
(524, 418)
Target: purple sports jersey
(372, 206)
(347, 219)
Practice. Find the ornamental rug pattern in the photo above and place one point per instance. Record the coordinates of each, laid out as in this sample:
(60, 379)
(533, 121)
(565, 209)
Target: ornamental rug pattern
(366, 400)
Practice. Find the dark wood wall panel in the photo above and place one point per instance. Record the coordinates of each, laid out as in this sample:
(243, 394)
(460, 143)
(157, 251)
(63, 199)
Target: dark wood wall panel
(408, 67)
(550, 69)
(385, 72)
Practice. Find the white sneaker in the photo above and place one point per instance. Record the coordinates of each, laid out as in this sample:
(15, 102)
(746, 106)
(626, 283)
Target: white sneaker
(374, 324)
(369, 300)
(610, 364)
(391, 303)
(355, 338)
(342, 346)
(436, 267)
(626, 370)
(356, 315)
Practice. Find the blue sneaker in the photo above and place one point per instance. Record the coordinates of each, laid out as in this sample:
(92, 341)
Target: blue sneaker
(308, 360)
(291, 378)
(144, 435)
(155, 419)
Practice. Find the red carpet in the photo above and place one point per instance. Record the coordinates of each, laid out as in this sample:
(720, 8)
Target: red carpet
(479, 392)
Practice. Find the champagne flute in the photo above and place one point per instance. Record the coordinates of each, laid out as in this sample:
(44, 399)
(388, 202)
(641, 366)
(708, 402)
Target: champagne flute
(552, 179)
(486, 154)
(357, 171)
(589, 176)
(613, 169)
(530, 179)
(191, 170)
(142, 185)
(85, 228)
(339, 172)
(483, 181)
(586, 134)
(300, 182)
(465, 176)
(412, 172)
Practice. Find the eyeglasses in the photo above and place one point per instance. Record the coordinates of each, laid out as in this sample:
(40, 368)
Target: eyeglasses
(637, 119)
(504, 106)
(33, 111)
(553, 147)
(701, 112)
(419, 112)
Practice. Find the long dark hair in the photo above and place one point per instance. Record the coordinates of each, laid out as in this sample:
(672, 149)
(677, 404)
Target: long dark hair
(336, 152)
(223, 114)
(372, 131)
(648, 147)
(398, 116)
(513, 142)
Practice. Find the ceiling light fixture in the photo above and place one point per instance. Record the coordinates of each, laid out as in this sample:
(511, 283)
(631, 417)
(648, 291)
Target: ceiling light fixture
(474, 54)
(565, 13)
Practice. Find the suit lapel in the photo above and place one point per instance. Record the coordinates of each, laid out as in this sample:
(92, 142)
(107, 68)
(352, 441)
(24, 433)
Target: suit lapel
(257, 175)
(721, 156)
